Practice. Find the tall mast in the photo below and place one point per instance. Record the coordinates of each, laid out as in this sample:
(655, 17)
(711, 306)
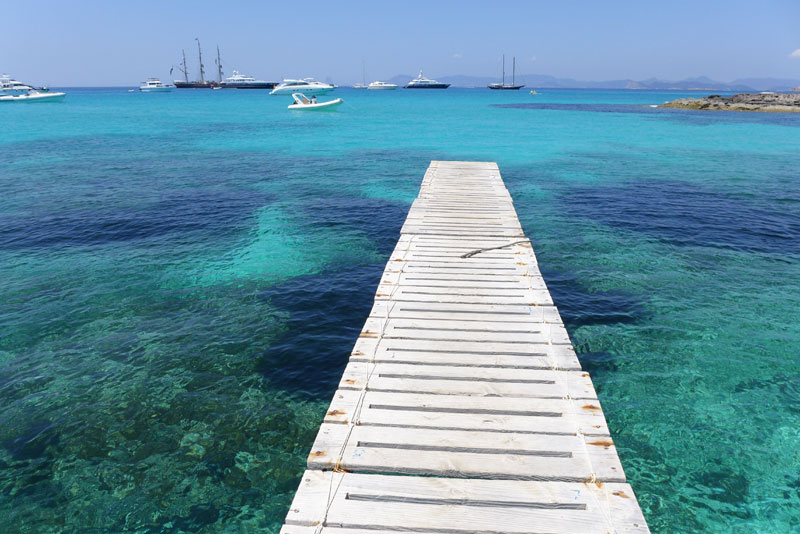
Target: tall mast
(364, 71)
(504, 69)
(219, 65)
(514, 71)
(185, 70)
(200, 55)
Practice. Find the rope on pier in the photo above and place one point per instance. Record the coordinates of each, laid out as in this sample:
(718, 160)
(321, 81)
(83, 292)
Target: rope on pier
(474, 252)
(356, 418)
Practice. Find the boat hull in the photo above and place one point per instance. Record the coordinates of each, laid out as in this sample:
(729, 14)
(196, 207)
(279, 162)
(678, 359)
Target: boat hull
(428, 86)
(165, 89)
(501, 87)
(258, 85)
(38, 97)
(382, 87)
(289, 90)
(193, 85)
(319, 106)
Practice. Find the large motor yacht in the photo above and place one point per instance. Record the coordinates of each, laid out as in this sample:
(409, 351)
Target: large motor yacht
(381, 86)
(154, 85)
(420, 82)
(307, 86)
(14, 91)
(242, 81)
(9, 86)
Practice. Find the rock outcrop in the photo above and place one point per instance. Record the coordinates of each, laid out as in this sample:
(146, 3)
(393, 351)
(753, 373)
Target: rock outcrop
(775, 102)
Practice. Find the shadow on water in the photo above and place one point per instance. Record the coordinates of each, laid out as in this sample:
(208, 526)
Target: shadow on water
(202, 209)
(326, 312)
(687, 215)
(579, 307)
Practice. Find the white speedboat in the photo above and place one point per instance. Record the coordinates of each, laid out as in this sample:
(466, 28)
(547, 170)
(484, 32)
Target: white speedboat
(14, 91)
(302, 103)
(154, 85)
(306, 86)
(420, 82)
(242, 81)
(381, 86)
(32, 96)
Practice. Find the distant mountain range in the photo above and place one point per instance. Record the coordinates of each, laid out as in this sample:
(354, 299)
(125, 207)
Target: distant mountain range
(701, 83)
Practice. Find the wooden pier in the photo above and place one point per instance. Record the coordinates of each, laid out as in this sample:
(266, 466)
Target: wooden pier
(463, 408)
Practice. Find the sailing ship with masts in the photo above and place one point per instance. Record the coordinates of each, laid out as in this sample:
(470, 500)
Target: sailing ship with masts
(237, 81)
(503, 85)
(202, 83)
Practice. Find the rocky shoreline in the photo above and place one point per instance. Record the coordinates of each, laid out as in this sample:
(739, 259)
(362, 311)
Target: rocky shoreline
(770, 102)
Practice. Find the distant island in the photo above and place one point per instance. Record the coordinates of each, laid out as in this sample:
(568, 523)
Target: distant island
(773, 102)
(544, 81)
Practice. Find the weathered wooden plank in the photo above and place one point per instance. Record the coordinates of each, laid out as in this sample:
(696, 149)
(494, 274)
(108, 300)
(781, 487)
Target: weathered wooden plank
(392, 503)
(478, 381)
(469, 454)
(464, 412)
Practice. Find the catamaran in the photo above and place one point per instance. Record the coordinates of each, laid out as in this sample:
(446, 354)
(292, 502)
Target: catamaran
(507, 87)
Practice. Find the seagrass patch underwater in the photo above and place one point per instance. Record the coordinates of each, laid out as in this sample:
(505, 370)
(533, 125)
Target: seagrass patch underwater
(184, 275)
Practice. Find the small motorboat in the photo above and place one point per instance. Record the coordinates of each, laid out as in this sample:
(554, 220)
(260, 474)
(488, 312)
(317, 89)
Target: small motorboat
(533, 92)
(301, 102)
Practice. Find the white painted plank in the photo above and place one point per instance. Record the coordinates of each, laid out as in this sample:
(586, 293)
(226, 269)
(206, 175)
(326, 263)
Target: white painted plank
(392, 503)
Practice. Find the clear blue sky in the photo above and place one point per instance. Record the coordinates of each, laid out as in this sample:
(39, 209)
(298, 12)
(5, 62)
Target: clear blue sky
(120, 43)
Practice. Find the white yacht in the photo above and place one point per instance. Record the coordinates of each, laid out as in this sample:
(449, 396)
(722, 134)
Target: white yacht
(14, 91)
(154, 85)
(420, 82)
(242, 81)
(8, 86)
(381, 86)
(307, 86)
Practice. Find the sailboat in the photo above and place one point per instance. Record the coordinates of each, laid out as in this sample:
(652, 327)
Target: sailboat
(363, 84)
(504, 86)
(202, 83)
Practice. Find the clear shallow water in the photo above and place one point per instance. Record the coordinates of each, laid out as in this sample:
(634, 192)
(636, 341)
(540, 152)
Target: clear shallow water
(185, 274)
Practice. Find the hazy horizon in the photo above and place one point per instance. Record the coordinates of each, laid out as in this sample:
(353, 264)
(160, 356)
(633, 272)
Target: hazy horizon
(102, 44)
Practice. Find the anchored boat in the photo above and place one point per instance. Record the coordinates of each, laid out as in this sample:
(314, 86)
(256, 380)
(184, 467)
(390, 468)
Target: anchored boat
(381, 86)
(154, 85)
(420, 82)
(302, 103)
(308, 86)
(504, 86)
(14, 91)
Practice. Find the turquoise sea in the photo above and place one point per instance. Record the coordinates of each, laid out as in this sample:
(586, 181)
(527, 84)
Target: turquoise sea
(183, 276)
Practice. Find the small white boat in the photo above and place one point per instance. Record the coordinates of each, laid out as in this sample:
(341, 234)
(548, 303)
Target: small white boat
(382, 86)
(359, 86)
(301, 102)
(308, 86)
(154, 85)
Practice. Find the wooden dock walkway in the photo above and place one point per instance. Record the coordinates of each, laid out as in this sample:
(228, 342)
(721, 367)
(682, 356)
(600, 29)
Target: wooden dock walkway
(463, 408)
